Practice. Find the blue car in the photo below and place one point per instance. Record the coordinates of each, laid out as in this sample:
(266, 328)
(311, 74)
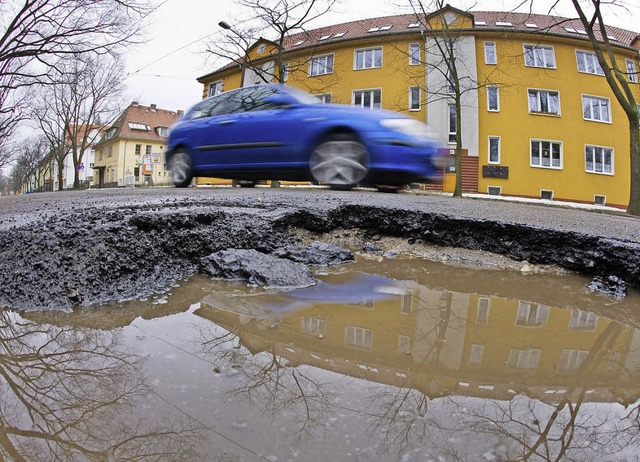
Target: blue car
(276, 132)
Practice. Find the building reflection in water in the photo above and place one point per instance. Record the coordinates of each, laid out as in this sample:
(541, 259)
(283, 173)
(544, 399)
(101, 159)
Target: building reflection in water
(524, 373)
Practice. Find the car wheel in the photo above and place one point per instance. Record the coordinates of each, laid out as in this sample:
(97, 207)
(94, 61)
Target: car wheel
(180, 167)
(339, 161)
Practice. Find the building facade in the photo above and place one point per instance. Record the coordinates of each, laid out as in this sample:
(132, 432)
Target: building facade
(131, 152)
(538, 118)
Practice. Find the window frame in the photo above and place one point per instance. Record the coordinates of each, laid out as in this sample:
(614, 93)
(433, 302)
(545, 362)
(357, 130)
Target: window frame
(453, 134)
(497, 91)
(551, 142)
(593, 169)
(363, 90)
(490, 45)
(373, 58)
(412, 58)
(533, 53)
(596, 63)
(213, 86)
(323, 97)
(412, 100)
(490, 138)
(315, 59)
(539, 91)
(632, 70)
(593, 98)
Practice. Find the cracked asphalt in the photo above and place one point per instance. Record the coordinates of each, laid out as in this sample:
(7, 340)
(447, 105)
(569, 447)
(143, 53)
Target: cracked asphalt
(58, 250)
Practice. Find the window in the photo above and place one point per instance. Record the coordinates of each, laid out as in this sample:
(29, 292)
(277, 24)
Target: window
(404, 344)
(321, 65)
(314, 326)
(414, 54)
(451, 89)
(583, 320)
(367, 98)
(406, 301)
(138, 126)
(547, 154)
(453, 124)
(494, 149)
(572, 359)
(490, 56)
(148, 150)
(368, 58)
(215, 88)
(476, 354)
(325, 98)
(596, 109)
(162, 131)
(524, 359)
(110, 151)
(588, 63)
(598, 159)
(539, 56)
(532, 315)
(544, 102)
(138, 149)
(261, 48)
(414, 98)
(358, 336)
(493, 99)
(285, 72)
(631, 71)
(482, 310)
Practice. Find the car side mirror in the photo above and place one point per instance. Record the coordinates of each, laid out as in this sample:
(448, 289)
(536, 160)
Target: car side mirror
(281, 100)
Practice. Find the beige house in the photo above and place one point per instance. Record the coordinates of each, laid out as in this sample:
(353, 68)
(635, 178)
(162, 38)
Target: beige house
(131, 152)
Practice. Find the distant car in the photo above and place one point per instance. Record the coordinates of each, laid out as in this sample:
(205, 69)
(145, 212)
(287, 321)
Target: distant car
(276, 132)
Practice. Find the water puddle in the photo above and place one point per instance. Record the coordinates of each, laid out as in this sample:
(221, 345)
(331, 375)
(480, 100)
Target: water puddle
(399, 359)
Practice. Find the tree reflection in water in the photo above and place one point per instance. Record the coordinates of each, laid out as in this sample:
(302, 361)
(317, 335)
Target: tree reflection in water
(267, 382)
(71, 393)
(522, 428)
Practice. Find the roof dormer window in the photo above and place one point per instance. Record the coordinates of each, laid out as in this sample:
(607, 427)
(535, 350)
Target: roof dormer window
(413, 25)
(480, 23)
(324, 37)
(531, 25)
(139, 126)
(339, 34)
(504, 23)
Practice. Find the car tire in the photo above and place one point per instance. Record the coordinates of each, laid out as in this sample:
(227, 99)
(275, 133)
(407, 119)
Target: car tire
(341, 161)
(181, 170)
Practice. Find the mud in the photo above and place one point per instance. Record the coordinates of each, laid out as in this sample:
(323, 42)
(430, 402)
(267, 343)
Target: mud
(117, 249)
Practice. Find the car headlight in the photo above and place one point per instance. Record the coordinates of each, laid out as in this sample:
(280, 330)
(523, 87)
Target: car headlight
(409, 127)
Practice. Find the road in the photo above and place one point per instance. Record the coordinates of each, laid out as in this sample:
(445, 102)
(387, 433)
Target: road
(58, 250)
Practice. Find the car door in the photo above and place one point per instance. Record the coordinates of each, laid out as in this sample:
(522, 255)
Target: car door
(259, 135)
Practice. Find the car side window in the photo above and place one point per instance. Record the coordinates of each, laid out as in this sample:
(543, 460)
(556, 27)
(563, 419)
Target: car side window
(209, 107)
(251, 99)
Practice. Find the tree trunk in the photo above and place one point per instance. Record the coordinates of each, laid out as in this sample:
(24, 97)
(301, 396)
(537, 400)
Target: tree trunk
(458, 189)
(634, 171)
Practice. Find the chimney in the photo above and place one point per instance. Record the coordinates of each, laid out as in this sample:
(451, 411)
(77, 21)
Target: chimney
(134, 104)
(153, 107)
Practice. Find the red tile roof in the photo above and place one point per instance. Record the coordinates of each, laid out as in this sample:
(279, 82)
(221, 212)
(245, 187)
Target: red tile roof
(134, 120)
(493, 20)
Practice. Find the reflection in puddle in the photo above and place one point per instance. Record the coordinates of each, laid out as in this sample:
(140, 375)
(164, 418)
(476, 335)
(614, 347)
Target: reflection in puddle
(400, 360)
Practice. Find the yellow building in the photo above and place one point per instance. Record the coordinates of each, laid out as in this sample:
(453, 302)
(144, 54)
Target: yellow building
(538, 117)
(131, 152)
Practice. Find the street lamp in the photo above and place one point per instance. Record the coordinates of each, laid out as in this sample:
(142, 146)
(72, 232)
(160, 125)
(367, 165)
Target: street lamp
(224, 25)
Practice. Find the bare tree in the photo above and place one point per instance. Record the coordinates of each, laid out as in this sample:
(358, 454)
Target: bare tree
(67, 112)
(26, 171)
(618, 80)
(273, 18)
(35, 34)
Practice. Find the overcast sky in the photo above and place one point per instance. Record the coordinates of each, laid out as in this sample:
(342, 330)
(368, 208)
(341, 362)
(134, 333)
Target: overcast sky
(164, 70)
